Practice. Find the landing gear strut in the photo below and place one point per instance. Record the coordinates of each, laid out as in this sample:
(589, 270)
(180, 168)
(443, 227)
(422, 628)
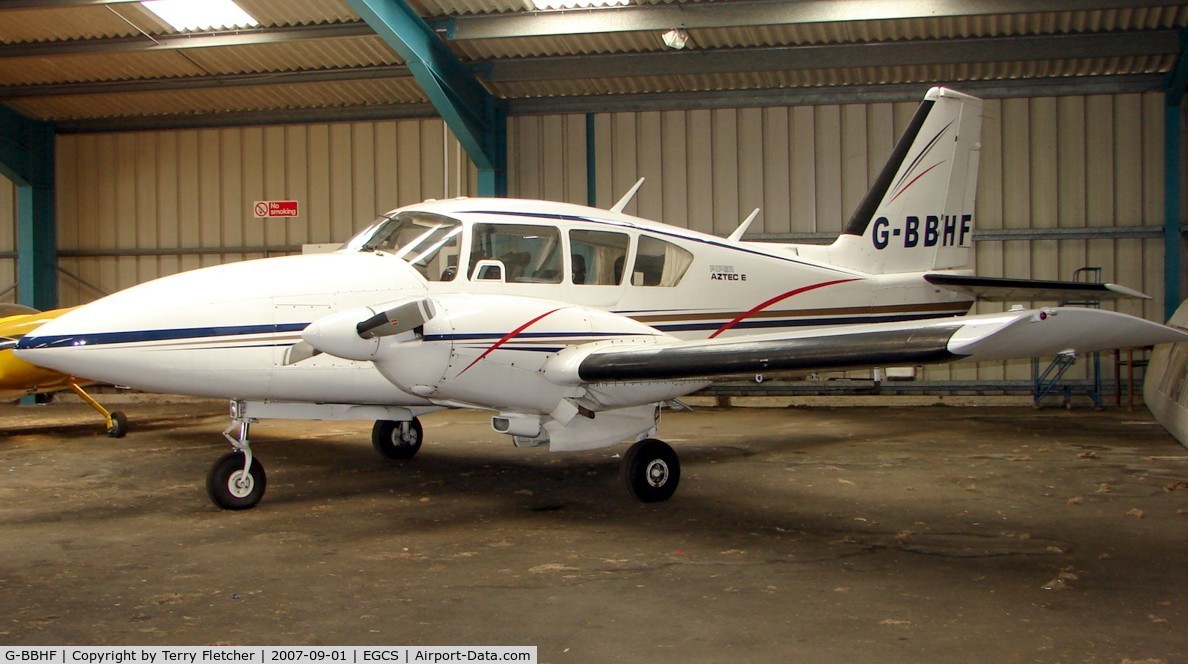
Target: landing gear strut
(651, 470)
(237, 481)
(117, 422)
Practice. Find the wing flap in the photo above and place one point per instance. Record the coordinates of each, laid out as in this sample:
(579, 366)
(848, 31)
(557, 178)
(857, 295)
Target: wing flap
(1014, 334)
(997, 289)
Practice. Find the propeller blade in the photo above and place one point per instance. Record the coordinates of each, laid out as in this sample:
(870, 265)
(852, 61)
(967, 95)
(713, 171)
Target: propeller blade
(402, 318)
(300, 351)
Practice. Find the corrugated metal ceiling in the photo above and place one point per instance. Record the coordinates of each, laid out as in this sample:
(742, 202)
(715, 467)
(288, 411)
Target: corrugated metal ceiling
(71, 63)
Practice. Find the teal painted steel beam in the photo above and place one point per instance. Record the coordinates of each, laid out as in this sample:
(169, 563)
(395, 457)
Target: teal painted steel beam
(591, 163)
(477, 119)
(1174, 87)
(27, 158)
(37, 259)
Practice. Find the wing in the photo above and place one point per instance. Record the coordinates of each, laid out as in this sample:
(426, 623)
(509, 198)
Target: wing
(997, 289)
(1015, 334)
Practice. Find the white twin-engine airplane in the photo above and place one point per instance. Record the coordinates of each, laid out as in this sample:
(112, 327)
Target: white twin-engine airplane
(574, 324)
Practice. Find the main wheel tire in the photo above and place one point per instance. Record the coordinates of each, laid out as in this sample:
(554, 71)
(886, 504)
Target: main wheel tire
(651, 471)
(119, 425)
(228, 486)
(386, 438)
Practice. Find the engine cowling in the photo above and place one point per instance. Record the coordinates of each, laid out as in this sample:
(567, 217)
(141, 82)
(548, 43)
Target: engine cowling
(492, 350)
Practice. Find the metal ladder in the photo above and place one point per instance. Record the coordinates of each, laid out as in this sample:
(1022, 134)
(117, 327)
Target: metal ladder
(1048, 382)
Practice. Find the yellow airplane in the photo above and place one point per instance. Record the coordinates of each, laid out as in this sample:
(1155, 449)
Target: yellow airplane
(19, 378)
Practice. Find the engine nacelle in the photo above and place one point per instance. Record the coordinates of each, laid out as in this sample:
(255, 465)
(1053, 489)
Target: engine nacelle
(491, 350)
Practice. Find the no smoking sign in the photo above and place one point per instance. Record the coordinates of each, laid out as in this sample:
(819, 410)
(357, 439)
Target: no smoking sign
(269, 209)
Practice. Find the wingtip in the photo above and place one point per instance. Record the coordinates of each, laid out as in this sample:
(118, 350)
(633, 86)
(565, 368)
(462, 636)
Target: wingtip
(1123, 291)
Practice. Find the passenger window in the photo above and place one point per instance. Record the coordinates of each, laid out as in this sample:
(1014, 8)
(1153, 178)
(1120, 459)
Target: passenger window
(659, 263)
(529, 254)
(597, 257)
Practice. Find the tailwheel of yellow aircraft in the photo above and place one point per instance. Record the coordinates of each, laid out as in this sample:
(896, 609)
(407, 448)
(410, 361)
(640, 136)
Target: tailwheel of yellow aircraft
(651, 470)
(397, 440)
(118, 425)
(230, 487)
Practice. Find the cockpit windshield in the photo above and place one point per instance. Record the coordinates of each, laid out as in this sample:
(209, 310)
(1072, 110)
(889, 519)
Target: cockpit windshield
(428, 242)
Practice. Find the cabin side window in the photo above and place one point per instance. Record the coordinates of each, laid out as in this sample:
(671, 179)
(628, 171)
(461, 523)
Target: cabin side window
(529, 254)
(659, 263)
(597, 257)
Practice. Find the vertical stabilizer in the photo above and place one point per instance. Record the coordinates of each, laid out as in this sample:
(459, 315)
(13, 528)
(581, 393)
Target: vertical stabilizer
(919, 213)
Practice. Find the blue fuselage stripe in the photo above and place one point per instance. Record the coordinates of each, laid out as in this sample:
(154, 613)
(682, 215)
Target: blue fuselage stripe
(34, 341)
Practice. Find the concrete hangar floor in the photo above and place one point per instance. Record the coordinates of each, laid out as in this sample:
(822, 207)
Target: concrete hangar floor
(862, 534)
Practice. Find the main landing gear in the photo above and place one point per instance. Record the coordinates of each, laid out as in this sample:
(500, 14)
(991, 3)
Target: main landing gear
(397, 441)
(651, 470)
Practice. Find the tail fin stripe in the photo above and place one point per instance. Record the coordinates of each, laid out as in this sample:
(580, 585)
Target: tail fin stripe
(923, 153)
(909, 185)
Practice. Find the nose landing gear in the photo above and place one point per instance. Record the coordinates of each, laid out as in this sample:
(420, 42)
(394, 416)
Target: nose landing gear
(237, 481)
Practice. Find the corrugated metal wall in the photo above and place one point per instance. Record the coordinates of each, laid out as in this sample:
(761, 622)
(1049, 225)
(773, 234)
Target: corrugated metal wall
(182, 199)
(138, 205)
(1067, 162)
(7, 239)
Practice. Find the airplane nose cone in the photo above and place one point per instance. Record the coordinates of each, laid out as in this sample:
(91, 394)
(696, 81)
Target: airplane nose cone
(45, 349)
(220, 331)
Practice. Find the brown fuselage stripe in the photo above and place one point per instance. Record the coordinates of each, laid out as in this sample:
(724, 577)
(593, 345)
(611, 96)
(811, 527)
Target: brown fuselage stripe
(933, 307)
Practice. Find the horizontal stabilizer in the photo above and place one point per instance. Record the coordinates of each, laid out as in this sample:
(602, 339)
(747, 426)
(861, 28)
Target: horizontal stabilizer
(1010, 335)
(996, 289)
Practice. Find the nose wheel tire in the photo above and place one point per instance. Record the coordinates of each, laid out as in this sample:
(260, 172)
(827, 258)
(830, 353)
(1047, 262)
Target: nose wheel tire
(397, 440)
(232, 489)
(651, 471)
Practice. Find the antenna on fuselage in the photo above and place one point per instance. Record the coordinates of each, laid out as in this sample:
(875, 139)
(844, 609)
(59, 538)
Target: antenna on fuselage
(742, 228)
(618, 207)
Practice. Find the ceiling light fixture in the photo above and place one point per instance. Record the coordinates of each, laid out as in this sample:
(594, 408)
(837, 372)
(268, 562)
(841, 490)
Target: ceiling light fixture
(579, 4)
(201, 14)
(675, 38)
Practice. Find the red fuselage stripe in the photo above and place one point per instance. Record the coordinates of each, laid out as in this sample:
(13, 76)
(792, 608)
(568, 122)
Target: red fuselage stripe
(508, 337)
(779, 298)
